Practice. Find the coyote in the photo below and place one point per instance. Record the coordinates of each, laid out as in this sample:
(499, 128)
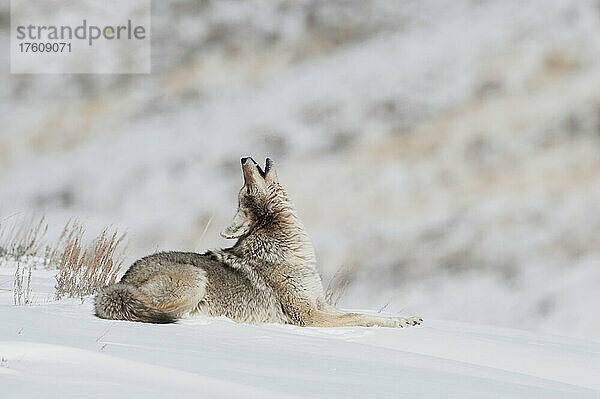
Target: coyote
(268, 276)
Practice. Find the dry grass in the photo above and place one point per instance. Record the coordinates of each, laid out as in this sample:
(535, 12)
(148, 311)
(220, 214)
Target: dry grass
(22, 285)
(204, 231)
(83, 269)
(22, 238)
(336, 289)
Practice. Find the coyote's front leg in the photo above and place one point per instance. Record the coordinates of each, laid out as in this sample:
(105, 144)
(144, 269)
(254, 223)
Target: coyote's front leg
(340, 319)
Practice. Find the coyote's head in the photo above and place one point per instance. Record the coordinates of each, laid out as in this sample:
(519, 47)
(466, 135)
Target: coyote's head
(263, 205)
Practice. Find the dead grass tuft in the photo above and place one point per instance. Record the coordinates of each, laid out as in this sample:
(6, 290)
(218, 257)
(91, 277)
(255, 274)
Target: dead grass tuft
(22, 238)
(22, 285)
(338, 285)
(83, 269)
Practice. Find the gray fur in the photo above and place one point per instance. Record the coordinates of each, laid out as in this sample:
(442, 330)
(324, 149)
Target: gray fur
(125, 302)
(268, 276)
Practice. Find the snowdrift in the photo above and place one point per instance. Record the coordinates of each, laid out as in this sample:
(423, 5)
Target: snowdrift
(55, 349)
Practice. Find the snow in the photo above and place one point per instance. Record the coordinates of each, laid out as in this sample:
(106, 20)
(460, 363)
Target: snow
(55, 349)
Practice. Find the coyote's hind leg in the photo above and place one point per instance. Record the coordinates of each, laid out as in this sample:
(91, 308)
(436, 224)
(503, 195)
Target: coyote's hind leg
(414, 321)
(322, 319)
(176, 291)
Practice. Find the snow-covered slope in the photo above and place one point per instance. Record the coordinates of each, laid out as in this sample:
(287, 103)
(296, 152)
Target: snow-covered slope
(445, 151)
(59, 349)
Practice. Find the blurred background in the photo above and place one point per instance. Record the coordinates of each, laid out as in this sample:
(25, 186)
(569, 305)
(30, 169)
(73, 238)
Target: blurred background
(443, 155)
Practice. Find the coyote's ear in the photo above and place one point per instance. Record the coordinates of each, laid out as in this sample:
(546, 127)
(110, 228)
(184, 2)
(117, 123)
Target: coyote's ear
(239, 226)
(253, 174)
(270, 172)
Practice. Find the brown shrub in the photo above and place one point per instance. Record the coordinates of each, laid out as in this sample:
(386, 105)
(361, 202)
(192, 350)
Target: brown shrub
(83, 269)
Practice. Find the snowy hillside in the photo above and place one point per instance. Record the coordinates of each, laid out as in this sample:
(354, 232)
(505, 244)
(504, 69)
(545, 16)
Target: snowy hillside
(59, 349)
(445, 152)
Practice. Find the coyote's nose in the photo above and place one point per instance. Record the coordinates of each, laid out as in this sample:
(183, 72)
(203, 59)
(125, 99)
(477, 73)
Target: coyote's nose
(245, 159)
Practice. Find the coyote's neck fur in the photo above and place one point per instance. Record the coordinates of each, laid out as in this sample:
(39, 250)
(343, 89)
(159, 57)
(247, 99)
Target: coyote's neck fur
(277, 254)
(281, 238)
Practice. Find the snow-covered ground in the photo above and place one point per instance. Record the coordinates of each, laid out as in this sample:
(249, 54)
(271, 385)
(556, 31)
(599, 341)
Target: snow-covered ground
(59, 349)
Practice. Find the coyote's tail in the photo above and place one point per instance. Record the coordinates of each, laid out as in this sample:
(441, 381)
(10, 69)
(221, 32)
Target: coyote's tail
(125, 302)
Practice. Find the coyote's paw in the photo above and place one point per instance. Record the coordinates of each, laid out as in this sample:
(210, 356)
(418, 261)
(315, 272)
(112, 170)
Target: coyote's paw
(411, 321)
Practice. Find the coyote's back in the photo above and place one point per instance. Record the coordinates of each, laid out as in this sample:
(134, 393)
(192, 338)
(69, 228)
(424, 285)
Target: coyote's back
(163, 287)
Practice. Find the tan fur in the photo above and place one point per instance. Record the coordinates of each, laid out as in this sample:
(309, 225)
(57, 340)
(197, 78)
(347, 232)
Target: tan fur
(268, 276)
